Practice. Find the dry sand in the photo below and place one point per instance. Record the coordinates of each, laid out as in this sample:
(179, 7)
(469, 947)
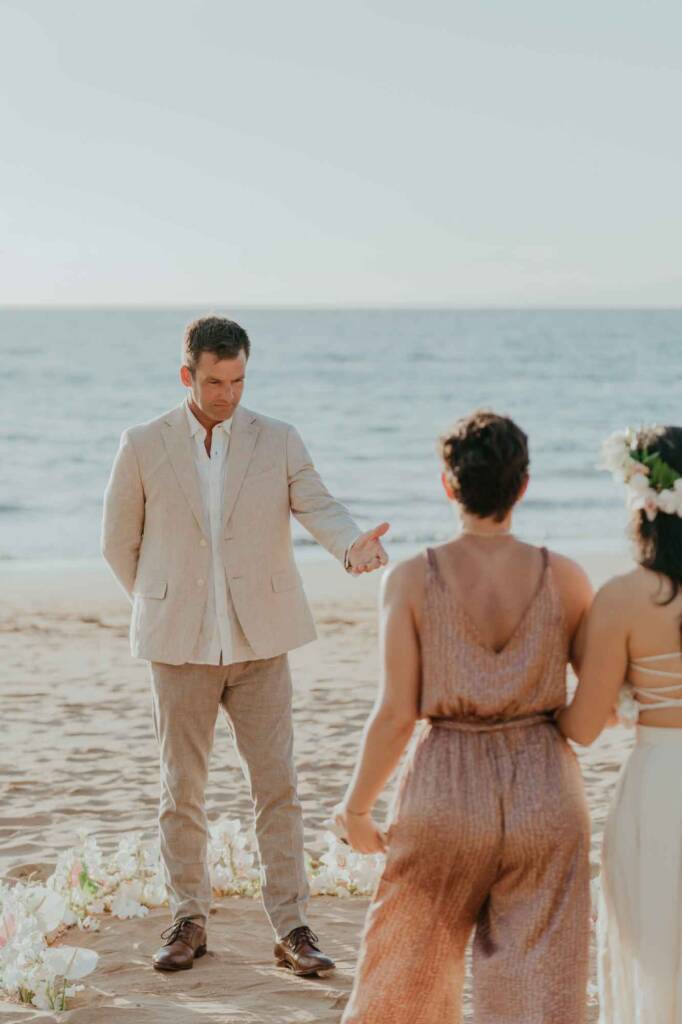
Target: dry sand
(78, 751)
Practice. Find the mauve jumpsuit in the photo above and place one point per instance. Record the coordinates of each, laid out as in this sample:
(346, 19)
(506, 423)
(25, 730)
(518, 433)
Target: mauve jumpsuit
(491, 834)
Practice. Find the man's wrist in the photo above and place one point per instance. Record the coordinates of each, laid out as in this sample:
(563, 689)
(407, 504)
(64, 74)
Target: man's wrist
(346, 558)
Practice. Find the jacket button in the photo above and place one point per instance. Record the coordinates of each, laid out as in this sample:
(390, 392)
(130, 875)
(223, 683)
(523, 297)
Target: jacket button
(200, 583)
(202, 543)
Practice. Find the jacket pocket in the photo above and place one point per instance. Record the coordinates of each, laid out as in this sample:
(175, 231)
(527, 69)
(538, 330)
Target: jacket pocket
(152, 588)
(260, 471)
(289, 579)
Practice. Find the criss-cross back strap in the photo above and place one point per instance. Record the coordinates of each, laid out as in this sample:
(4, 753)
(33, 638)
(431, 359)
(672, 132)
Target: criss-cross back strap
(642, 665)
(654, 691)
(657, 697)
(657, 657)
(663, 673)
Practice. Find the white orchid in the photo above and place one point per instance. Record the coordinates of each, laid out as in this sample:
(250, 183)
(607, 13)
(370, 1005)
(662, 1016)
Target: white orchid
(639, 483)
(668, 502)
(615, 453)
(126, 903)
(70, 962)
(646, 499)
(47, 906)
(31, 970)
(87, 882)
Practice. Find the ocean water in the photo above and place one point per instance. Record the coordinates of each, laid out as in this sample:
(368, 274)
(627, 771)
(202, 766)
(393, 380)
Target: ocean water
(370, 392)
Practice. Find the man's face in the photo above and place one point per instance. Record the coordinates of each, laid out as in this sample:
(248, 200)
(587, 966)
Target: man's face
(217, 384)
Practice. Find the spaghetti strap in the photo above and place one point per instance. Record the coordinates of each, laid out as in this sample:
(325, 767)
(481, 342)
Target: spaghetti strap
(432, 562)
(545, 558)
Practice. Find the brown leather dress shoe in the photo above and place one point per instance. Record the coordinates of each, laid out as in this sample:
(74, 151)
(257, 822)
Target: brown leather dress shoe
(298, 952)
(185, 942)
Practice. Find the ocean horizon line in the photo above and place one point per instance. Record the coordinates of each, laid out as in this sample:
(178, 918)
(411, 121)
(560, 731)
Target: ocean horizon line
(335, 307)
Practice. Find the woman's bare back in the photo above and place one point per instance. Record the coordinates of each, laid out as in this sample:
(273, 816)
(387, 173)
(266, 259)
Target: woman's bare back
(495, 581)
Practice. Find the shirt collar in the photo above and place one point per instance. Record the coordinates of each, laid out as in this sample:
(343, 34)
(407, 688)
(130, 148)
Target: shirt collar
(195, 426)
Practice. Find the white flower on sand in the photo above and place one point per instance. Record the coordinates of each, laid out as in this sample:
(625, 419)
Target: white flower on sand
(225, 830)
(70, 962)
(88, 882)
(344, 872)
(232, 853)
(126, 903)
(48, 908)
(30, 970)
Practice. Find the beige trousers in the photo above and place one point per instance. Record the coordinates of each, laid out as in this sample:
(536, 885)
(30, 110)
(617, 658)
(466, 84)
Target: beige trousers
(256, 699)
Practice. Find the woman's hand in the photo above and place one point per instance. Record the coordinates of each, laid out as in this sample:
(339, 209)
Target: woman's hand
(361, 830)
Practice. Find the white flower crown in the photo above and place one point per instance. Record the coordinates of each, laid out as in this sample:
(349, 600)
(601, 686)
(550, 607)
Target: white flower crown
(652, 485)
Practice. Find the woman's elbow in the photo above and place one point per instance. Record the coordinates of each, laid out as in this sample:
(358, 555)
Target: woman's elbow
(583, 735)
(397, 721)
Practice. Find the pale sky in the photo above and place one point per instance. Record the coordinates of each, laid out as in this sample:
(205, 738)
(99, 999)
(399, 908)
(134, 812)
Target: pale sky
(455, 153)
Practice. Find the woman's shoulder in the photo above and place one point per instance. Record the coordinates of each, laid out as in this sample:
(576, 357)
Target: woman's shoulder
(573, 585)
(567, 570)
(636, 584)
(403, 582)
(406, 573)
(622, 588)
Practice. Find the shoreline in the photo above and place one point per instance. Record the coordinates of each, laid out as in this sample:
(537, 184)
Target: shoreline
(47, 585)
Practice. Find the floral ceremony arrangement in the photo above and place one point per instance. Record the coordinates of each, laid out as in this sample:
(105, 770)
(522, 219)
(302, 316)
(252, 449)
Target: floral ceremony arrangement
(87, 883)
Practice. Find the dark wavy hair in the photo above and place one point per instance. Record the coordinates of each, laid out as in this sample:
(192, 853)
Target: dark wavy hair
(658, 543)
(223, 338)
(485, 457)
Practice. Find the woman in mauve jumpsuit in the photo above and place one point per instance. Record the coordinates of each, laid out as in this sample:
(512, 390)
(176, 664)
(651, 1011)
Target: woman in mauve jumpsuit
(490, 834)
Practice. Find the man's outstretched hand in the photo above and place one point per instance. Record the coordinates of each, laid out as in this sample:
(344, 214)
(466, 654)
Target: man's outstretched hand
(367, 552)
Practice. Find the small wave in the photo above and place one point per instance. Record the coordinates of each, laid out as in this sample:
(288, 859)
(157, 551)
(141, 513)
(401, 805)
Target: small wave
(7, 508)
(407, 537)
(561, 504)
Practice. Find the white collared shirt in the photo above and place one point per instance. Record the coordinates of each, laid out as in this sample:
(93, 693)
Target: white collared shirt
(214, 645)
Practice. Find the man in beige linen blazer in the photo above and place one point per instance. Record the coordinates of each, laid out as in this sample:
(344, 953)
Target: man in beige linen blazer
(197, 530)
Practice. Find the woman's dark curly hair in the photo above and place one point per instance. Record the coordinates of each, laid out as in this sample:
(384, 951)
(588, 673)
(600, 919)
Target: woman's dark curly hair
(658, 544)
(486, 462)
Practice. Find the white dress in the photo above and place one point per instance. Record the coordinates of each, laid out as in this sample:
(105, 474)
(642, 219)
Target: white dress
(640, 903)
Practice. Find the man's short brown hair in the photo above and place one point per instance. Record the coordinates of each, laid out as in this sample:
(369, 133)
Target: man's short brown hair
(216, 334)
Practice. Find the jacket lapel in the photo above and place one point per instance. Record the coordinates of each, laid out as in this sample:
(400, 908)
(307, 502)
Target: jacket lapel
(178, 442)
(243, 435)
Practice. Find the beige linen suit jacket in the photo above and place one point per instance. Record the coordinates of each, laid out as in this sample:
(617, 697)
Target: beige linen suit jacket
(155, 536)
